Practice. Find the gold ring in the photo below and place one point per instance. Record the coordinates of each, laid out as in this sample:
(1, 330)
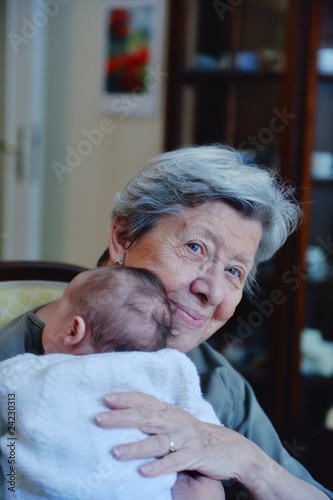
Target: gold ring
(172, 447)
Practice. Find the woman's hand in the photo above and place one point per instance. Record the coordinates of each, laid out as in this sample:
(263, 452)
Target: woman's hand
(211, 450)
(197, 487)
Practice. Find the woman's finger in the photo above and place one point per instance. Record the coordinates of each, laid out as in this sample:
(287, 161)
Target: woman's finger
(147, 420)
(121, 400)
(158, 445)
(133, 412)
(174, 462)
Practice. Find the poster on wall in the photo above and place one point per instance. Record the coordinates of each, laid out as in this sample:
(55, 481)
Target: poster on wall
(132, 76)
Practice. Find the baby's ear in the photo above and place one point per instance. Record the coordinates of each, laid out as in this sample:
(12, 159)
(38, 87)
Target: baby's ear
(76, 331)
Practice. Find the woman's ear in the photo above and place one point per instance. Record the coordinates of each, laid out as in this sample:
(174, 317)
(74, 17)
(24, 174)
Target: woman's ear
(76, 332)
(117, 242)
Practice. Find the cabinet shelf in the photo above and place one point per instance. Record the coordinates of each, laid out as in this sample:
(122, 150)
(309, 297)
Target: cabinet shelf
(325, 282)
(312, 381)
(199, 76)
(325, 77)
(323, 182)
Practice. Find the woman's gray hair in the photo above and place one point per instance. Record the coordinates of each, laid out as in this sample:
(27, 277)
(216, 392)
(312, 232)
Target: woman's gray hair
(191, 176)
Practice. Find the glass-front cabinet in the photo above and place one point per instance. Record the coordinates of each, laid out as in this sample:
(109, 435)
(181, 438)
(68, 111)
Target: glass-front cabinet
(258, 75)
(316, 388)
(232, 77)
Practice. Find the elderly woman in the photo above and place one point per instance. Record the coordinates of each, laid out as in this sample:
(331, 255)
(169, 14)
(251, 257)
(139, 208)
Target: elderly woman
(202, 220)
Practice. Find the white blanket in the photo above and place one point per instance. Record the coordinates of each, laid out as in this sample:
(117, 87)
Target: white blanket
(58, 451)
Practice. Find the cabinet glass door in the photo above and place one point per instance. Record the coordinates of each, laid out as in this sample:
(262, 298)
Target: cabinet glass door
(317, 336)
(233, 78)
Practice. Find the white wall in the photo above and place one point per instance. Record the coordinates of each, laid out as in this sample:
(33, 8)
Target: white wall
(77, 209)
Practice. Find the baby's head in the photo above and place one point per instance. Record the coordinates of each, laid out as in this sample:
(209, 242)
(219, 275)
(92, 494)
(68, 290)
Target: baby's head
(111, 308)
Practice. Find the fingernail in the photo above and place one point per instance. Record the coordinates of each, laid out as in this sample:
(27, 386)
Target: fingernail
(121, 453)
(110, 398)
(100, 418)
(146, 468)
(116, 453)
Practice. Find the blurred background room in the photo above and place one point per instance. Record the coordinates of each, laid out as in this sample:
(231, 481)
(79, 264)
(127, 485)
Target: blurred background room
(79, 114)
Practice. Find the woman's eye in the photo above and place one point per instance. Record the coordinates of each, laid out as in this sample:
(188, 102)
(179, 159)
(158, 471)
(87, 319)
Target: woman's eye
(233, 271)
(194, 247)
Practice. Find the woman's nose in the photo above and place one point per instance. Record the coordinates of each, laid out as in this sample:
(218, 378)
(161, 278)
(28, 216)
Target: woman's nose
(210, 287)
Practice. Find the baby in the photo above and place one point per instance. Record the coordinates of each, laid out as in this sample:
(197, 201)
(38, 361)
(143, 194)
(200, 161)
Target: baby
(54, 449)
(113, 308)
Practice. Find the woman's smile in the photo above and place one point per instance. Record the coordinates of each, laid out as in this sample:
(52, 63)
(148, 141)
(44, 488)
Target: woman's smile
(189, 316)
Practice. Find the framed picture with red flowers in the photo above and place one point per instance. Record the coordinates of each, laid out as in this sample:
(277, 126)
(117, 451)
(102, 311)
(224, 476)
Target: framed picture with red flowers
(131, 75)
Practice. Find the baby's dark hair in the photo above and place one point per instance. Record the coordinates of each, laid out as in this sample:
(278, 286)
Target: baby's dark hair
(104, 259)
(125, 308)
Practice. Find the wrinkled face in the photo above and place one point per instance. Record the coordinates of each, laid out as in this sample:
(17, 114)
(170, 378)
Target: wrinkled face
(203, 257)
